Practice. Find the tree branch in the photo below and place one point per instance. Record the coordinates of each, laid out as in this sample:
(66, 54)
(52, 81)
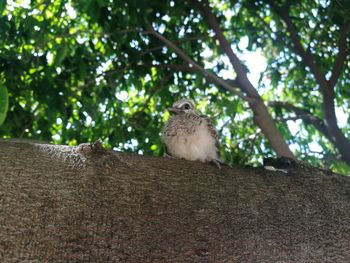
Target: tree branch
(184, 68)
(320, 125)
(339, 61)
(279, 36)
(84, 203)
(299, 49)
(178, 68)
(157, 88)
(305, 115)
(208, 74)
(242, 78)
(312, 35)
(327, 90)
(175, 42)
(261, 115)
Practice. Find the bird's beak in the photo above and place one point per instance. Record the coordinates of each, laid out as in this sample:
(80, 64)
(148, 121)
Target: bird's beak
(174, 110)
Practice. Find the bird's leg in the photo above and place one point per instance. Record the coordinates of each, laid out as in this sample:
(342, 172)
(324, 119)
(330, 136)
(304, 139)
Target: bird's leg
(168, 155)
(217, 163)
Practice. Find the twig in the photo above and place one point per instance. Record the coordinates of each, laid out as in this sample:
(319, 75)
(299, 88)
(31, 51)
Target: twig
(341, 57)
(242, 78)
(207, 74)
(159, 86)
(299, 49)
(305, 115)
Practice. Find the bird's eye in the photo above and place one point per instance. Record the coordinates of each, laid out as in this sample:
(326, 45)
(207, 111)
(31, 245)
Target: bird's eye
(187, 106)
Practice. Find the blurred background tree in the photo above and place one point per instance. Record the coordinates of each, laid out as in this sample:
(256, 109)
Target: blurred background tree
(76, 71)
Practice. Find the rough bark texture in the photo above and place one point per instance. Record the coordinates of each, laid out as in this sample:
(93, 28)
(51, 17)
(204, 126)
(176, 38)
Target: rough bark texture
(85, 204)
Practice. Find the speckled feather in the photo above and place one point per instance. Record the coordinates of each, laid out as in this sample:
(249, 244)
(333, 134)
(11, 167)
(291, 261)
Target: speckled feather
(191, 136)
(213, 132)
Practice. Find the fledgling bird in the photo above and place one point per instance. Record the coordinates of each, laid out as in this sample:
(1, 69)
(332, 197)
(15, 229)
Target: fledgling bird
(189, 135)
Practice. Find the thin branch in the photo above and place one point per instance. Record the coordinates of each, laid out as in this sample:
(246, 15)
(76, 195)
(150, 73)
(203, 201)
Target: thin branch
(305, 115)
(318, 123)
(312, 35)
(292, 118)
(185, 68)
(159, 85)
(242, 78)
(224, 125)
(143, 53)
(334, 133)
(251, 139)
(207, 74)
(173, 67)
(279, 37)
(91, 33)
(305, 54)
(339, 61)
(261, 115)
(175, 42)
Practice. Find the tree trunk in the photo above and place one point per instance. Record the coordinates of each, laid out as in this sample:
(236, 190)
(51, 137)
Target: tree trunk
(85, 204)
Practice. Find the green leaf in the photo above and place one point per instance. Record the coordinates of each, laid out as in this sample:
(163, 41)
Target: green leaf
(4, 103)
(2, 6)
(62, 52)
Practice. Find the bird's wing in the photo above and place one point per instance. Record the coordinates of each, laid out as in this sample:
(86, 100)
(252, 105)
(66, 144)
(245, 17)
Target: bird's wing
(213, 133)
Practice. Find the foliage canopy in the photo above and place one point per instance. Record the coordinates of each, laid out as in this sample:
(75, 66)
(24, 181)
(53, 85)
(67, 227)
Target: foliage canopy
(77, 71)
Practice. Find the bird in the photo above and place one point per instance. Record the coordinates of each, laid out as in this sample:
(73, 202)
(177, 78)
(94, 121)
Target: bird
(190, 135)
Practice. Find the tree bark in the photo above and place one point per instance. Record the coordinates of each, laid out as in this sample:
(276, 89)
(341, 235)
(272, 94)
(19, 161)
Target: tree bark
(86, 204)
(327, 87)
(262, 117)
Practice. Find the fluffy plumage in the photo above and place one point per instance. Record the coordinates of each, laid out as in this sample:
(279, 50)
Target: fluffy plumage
(189, 135)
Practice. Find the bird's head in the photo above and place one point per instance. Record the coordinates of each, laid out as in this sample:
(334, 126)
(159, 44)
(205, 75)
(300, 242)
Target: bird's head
(182, 106)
